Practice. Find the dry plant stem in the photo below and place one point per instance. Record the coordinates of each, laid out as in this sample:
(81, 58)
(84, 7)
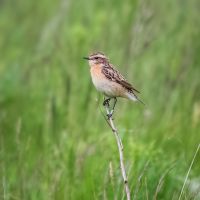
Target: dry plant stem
(120, 148)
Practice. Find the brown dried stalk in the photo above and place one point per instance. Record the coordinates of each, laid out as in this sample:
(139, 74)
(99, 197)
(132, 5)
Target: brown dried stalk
(120, 148)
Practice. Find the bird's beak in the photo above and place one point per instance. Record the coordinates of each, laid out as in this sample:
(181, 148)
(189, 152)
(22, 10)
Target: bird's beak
(86, 58)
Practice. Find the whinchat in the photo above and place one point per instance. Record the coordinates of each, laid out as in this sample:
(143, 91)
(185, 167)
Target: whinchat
(109, 81)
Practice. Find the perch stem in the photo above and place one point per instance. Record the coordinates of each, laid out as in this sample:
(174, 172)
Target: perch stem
(120, 148)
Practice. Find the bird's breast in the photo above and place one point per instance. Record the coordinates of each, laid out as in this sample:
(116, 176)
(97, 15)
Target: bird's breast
(98, 77)
(103, 84)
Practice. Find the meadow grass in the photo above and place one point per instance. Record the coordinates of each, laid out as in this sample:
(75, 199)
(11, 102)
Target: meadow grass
(54, 141)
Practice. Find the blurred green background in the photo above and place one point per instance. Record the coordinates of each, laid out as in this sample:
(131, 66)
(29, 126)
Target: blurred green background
(54, 141)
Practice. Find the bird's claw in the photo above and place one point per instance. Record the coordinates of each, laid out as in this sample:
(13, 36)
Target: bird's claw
(109, 116)
(106, 102)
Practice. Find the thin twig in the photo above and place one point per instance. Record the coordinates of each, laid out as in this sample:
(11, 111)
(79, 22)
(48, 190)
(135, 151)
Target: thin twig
(120, 148)
(187, 175)
(104, 116)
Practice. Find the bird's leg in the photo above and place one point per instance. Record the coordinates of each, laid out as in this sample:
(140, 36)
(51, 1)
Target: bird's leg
(106, 102)
(115, 101)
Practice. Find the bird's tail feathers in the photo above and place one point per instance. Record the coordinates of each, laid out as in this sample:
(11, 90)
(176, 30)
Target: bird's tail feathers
(141, 101)
(133, 97)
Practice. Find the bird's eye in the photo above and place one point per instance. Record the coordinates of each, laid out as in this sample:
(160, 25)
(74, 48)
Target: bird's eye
(96, 58)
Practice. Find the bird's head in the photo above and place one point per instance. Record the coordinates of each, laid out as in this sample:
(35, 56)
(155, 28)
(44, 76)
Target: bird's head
(96, 58)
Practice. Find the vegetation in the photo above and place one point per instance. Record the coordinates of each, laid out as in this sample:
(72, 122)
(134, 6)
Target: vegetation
(54, 141)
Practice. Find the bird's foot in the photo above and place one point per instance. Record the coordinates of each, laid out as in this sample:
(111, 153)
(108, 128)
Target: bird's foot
(109, 115)
(106, 102)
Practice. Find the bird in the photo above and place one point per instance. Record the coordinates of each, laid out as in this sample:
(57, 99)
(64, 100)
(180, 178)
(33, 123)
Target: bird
(109, 80)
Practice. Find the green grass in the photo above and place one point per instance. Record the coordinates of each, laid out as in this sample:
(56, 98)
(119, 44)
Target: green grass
(54, 141)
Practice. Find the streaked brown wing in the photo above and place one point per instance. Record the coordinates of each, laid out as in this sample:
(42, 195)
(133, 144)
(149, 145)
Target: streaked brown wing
(114, 75)
(128, 86)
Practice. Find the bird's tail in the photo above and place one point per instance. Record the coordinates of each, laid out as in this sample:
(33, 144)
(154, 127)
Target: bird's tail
(133, 97)
(141, 101)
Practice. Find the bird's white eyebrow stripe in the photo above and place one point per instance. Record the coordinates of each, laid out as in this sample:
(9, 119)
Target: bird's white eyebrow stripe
(101, 55)
(97, 53)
